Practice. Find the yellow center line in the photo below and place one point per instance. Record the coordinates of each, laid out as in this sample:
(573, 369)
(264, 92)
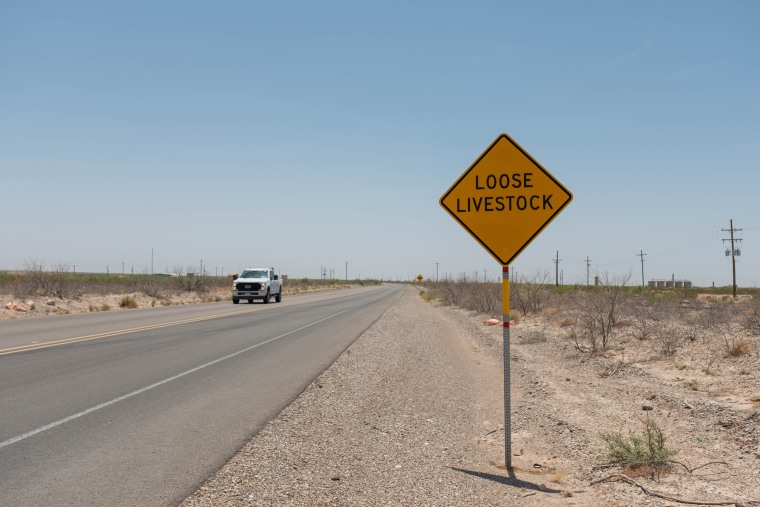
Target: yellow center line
(108, 334)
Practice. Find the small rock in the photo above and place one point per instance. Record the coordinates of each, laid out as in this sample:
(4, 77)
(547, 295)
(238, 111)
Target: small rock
(647, 405)
(50, 302)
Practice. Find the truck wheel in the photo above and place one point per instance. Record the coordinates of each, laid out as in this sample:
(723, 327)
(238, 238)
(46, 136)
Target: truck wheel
(278, 297)
(266, 298)
(235, 300)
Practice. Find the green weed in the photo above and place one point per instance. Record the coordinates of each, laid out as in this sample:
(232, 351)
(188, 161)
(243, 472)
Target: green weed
(644, 449)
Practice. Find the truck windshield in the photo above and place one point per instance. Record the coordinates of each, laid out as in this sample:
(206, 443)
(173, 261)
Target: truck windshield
(254, 274)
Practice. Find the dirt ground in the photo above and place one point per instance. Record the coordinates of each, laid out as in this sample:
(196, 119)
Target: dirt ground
(14, 308)
(31, 307)
(705, 400)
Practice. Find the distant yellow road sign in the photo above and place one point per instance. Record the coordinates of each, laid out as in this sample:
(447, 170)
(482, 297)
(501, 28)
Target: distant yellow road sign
(419, 278)
(505, 199)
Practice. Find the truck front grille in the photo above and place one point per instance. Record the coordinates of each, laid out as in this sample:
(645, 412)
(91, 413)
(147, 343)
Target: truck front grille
(248, 286)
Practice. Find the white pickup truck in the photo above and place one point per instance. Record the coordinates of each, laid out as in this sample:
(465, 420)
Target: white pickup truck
(257, 283)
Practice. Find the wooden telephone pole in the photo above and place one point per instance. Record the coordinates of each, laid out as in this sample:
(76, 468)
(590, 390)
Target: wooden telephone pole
(734, 251)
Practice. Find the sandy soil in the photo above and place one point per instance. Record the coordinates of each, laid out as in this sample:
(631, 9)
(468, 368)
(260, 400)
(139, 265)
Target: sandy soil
(33, 307)
(706, 402)
(26, 308)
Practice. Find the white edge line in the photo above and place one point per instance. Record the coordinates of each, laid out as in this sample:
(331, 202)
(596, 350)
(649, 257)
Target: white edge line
(90, 410)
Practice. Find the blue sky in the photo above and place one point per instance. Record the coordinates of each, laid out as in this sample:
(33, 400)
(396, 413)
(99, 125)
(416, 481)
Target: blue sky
(310, 134)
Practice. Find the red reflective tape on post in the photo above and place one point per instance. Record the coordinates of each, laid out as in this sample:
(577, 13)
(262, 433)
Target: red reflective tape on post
(506, 323)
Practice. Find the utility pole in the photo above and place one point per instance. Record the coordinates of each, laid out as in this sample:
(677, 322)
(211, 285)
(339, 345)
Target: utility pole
(556, 270)
(642, 254)
(734, 251)
(346, 271)
(588, 267)
(436, 272)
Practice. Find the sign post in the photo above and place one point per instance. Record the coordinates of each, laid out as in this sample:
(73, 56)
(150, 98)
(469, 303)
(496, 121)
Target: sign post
(507, 387)
(504, 200)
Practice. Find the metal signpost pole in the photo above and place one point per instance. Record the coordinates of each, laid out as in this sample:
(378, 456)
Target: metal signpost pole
(507, 401)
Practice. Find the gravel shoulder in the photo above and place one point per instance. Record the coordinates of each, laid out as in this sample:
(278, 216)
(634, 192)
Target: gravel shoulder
(410, 414)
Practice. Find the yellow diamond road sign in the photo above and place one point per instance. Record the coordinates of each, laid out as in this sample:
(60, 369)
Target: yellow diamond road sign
(505, 199)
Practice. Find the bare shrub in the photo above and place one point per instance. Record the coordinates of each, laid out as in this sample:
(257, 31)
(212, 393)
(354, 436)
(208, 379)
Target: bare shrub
(646, 319)
(529, 294)
(448, 292)
(730, 331)
(149, 285)
(57, 281)
(611, 368)
(643, 328)
(483, 297)
(718, 316)
(751, 321)
(692, 332)
(752, 324)
(189, 280)
(596, 313)
(479, 296)
(670, 339)
(530, 337)
(737, 347)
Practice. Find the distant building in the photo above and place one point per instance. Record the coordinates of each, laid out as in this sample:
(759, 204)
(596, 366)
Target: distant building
(669, 284)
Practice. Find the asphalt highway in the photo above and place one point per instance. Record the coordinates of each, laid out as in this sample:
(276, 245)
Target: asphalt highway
(139, 407)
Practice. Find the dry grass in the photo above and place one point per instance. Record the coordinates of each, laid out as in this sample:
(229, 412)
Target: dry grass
(127, 302)
(738, 348)
(528, 337)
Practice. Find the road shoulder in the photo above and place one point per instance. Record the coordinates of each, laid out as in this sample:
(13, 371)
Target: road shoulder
(410, 414)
